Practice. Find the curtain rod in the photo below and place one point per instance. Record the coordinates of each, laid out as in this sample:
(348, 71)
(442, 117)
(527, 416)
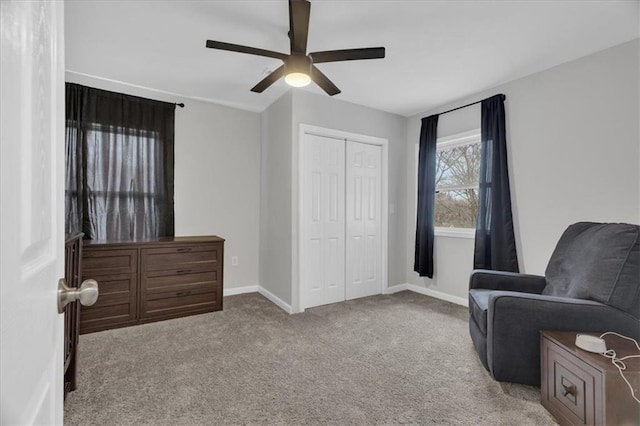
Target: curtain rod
(181, 105)
(468, 105)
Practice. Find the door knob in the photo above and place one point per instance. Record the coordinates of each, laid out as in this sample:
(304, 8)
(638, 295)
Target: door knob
(87, 294)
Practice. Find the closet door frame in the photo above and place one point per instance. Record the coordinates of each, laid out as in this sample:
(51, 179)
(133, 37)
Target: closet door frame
(296, 201)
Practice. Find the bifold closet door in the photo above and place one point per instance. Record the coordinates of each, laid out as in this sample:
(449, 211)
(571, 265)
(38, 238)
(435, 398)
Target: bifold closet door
(322, 254)
(363, 220)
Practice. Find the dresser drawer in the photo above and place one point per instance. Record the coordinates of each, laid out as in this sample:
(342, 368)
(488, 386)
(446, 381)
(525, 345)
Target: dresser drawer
(177, 303)
(203, 256)
(108, 261)
(179, 280)
(116, 305)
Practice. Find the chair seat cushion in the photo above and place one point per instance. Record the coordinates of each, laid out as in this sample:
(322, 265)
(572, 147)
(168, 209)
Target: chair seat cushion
(478, 305)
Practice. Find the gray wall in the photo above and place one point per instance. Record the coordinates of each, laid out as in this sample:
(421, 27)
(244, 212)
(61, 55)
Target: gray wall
(275, 199)
(573, 143)
(573, 136)
(280, 132)
(217, 181)
(324, 111)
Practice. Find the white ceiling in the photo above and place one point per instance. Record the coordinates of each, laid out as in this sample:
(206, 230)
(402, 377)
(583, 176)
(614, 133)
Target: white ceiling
(436, 51)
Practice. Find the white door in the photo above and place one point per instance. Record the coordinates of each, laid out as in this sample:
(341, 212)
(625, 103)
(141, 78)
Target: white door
(341, 221)
(322, 218)
(31, 210)
(363, 220)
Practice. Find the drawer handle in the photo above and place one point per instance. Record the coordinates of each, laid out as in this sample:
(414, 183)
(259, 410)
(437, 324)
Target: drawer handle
(183, 250)
(183, 271)
(183, 293)
(569, 390)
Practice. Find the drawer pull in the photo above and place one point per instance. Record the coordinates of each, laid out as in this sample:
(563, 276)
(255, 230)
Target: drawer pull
(183, 271)
(183, 293)
(569, 390)
(184, 250)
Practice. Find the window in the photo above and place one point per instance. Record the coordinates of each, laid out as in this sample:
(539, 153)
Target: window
(457, 176)
(124, 180)
(120, 165)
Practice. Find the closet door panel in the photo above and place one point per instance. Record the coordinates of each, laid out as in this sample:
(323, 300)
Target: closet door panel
(322, 253)
(363, 221)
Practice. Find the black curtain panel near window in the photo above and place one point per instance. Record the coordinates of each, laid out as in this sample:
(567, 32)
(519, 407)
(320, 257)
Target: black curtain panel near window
(423, 262)
(119, 165)
(495, 246)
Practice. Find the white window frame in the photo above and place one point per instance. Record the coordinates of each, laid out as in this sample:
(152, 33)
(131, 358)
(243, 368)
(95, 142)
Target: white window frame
(449, 142)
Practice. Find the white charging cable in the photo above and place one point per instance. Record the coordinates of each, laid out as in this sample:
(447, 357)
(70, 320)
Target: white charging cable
(619, 362)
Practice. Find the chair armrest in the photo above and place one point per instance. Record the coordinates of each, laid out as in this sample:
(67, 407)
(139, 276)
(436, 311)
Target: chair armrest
(508, 281)
(515, 320)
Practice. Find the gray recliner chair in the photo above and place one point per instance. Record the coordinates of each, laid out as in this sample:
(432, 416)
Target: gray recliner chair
(591, 284)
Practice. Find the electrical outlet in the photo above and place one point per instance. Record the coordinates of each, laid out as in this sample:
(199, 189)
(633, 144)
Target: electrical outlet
(234, 261)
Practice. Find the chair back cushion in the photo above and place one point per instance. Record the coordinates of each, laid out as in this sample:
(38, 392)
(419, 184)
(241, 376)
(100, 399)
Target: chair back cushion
(597, 261)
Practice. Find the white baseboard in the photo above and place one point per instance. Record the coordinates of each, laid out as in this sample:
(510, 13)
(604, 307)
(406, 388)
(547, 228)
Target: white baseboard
(240, 290)
(428, 292)
(389, 290)
(275, 299)
(263, 291)
(396, 288)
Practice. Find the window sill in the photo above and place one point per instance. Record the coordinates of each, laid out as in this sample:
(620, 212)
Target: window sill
(455, 233)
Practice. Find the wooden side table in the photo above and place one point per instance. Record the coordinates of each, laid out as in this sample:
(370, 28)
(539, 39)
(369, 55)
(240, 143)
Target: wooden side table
(583, 388)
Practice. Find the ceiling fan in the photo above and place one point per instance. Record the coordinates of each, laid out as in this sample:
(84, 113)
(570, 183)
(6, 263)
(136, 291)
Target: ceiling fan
(299, 67)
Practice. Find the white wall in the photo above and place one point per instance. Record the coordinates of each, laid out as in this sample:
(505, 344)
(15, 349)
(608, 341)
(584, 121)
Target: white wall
(573, 141)
(275, 199)
(217, 175)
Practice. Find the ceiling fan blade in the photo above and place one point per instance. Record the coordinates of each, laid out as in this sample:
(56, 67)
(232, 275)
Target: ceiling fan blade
(299, 11)
(245, 49)
(269, 80)
(323, 81)
(347, 54)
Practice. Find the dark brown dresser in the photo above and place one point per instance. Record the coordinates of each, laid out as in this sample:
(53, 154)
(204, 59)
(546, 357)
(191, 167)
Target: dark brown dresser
(145, 281)
(584, 388)
(72, 273)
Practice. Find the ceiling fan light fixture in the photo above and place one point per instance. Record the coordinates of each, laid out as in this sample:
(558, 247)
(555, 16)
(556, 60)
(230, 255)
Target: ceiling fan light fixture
(297, 79)
(297, 70)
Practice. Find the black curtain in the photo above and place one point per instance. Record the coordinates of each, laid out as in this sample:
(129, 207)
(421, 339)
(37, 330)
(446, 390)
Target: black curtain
(423, 262)
(119, 165)
(495, 246)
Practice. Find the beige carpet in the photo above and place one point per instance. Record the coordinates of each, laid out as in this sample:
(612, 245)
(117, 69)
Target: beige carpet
(397, 359)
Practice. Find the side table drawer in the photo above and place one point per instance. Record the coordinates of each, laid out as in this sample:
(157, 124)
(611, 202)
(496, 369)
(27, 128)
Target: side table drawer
(571, 389)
